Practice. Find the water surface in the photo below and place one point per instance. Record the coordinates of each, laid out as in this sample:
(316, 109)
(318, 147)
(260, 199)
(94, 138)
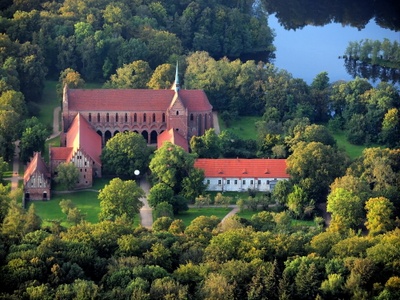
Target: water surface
(309, 51)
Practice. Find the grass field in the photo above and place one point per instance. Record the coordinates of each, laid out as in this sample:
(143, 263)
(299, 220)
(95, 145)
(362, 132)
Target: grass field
(86, 201)
(48, 103)
(55, 142)
(353, 151)
(193, 213)
(243, 127)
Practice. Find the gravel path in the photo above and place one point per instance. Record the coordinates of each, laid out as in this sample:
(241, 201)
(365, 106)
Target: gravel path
(56, 123)
(146, 213)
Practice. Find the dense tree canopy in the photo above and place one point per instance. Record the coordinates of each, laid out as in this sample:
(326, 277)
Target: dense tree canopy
(125, 153)
(67, 175)
(174, 167)
(119, 198)
(314, 166)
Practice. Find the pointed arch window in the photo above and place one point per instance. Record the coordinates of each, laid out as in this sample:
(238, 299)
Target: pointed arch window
(126, 117)
(154, 117)
(108, 117)
(177, 112)
(191, 117)
(135, 117)
(98, 117)
(116, 117)
(90, 117)
(163, 117)
(144, 117)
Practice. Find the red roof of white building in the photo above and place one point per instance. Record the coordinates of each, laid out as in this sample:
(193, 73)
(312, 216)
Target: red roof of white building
(242, 168)
(174, 137)
(139, 99)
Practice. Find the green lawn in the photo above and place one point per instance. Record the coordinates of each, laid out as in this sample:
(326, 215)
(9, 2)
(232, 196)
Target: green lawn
(86, 201)
(188, 216)
(353, 151)
(55, 142)
(243, 127)
(48, 103)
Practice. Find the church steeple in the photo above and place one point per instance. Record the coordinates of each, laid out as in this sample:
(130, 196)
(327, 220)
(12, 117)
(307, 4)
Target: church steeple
(176, 84)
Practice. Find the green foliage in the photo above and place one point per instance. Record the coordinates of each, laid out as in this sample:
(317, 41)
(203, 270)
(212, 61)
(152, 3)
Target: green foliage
(119, 198)
(33, 138)
(163, 209)
(162, 78)
(125, 153)
(162, 223)
(158, 193)
(133, 76)
(379, 215)
(314, 167)
(346, 209)
(3, 168)
(174, 167)
(67, 175)
(74, 215)
(207, 145)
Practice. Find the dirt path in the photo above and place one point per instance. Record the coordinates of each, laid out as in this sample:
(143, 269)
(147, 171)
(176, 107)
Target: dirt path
(216, 123)
(146, 213)
(233, 212)
(56, 123)
(15, 176)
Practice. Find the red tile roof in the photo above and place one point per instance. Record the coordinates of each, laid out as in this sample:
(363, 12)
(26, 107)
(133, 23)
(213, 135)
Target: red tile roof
(241, 168)
(60, 153)
(82, 136)
(174, 137)
(36, 164)
(139, 99)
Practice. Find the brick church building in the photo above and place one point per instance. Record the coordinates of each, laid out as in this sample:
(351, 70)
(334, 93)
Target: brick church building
(148, 112)
(90, 117)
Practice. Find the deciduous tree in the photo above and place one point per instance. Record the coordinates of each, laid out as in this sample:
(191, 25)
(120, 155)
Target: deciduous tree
(346, 209)
(131, 76)
(120, 198)
(125, 153)
(67, 175)
(379, 215)
(174, 167)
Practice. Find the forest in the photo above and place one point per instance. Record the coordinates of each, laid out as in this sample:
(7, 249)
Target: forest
(218, 45)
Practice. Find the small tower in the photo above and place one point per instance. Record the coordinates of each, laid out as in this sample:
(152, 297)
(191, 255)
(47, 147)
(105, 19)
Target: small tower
(177, 112)
(176, 86)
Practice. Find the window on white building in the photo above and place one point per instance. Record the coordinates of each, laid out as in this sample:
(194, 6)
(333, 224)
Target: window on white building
(235, 181)
(228, 182)
(251, 181)
(259, 181)
(244, 181)
(219, 181)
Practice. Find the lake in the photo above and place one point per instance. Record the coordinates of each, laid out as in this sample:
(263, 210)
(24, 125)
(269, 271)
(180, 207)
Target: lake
(309, 51)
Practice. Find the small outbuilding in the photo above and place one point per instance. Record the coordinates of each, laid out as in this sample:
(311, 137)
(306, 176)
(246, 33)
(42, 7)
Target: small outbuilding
(37, 179)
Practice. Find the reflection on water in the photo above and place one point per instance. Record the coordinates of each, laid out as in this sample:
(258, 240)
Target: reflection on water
(314, 49)
(373, 73)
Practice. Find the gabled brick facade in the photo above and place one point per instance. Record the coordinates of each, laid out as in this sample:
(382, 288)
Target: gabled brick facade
(82, 147)
(37, 179)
